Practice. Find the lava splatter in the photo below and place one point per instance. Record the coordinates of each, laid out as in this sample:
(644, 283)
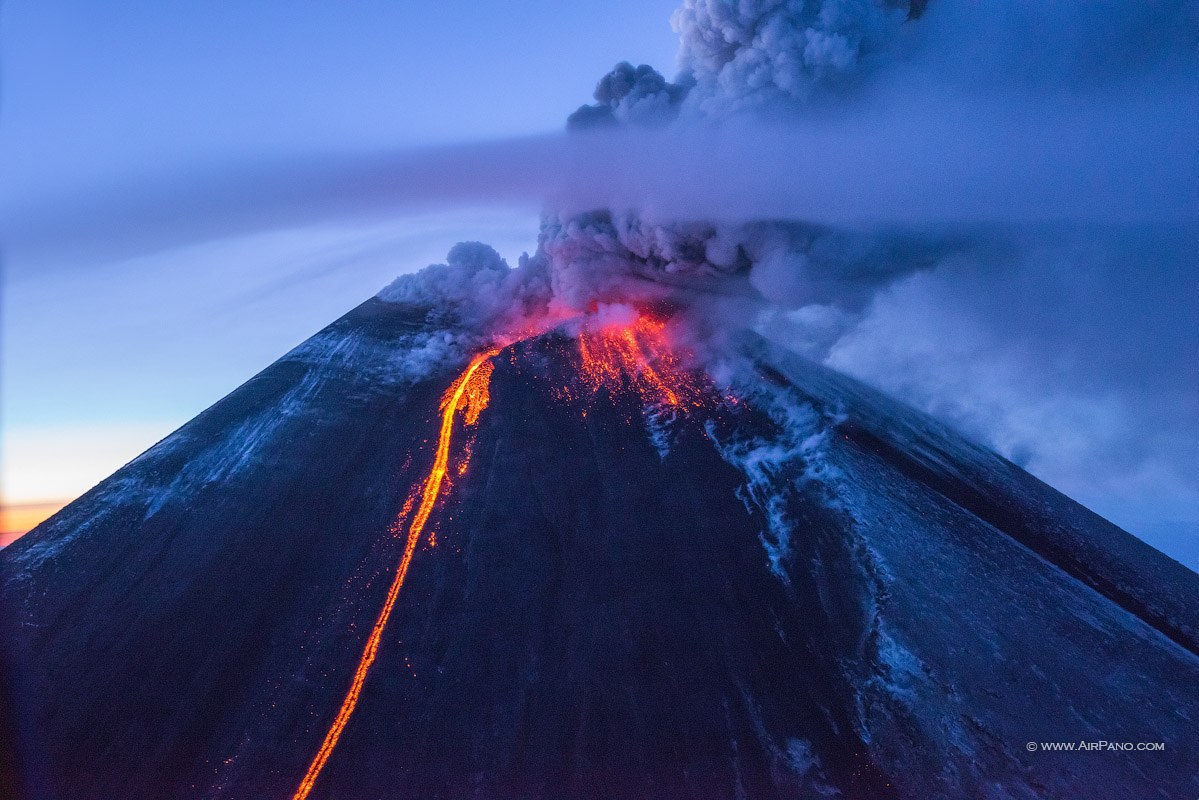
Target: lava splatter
(634, 352)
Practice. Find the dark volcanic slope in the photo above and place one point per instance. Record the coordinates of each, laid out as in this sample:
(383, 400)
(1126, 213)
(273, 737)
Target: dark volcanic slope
(879, 609)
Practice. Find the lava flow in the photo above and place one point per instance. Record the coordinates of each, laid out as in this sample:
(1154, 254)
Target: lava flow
(630, 352)
(635, 353)
(470, 393)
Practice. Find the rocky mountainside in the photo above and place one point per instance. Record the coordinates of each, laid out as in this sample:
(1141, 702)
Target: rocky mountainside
(811, 591)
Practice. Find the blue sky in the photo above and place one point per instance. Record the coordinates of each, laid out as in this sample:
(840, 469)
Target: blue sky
(101, 89)
(122, 323)
(103, 354)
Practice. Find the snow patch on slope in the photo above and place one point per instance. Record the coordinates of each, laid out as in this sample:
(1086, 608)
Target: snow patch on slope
(791, 457)
(144, 486)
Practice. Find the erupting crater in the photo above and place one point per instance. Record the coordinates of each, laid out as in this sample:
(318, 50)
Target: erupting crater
(647, 588)
(620, 349)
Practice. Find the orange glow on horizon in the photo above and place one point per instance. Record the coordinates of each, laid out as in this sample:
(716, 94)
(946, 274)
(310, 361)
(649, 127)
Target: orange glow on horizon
(17, 519)
(473, 387)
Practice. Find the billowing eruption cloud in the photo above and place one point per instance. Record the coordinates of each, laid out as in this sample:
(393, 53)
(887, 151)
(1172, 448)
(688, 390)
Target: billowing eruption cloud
(783, 56)
(912, 309)
(628, 94)
(773, 52)
(753, 56)
(869, 183)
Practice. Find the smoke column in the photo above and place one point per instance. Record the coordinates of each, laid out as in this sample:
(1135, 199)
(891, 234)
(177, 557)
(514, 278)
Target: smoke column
(994, 225)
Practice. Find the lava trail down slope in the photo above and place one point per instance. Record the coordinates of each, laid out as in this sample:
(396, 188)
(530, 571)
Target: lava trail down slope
(571, 568)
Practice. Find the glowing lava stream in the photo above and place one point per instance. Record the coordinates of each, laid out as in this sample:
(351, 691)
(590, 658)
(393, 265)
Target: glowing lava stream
(473, 387)
(638, 356)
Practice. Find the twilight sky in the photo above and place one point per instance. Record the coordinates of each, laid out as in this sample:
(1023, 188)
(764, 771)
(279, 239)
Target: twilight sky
(107, 349)
(187, 191)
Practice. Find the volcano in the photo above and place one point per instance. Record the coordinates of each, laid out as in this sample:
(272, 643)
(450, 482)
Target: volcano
(574, 566)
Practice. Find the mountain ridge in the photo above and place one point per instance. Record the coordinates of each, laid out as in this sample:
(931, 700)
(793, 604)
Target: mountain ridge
(720, 602)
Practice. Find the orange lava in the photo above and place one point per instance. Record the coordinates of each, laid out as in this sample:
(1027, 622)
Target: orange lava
(637, 355)
(470, 393)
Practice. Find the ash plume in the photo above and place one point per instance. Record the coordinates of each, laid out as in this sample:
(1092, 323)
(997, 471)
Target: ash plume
(818, 170)
(837, 293)
(633, 95)
(682, 544)
(778, 52)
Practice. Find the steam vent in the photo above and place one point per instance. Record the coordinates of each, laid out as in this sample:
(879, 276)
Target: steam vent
(570, 565)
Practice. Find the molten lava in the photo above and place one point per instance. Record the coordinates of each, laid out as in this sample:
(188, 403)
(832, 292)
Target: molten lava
(470, 393)
(633, 353)
(637, 354)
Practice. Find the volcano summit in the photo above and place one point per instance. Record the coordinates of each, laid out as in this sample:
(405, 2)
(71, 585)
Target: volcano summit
(608, 526)
(586, 563)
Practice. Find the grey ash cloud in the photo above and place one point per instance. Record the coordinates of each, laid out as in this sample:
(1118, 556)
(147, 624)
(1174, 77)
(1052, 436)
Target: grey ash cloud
(1066, 348)
(874, 183)
(777, 52)
(635, 95)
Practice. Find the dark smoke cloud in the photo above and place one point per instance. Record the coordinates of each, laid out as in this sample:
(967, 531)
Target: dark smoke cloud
(767, 53)
(779, 55)
(632, 95)
(607, 257)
